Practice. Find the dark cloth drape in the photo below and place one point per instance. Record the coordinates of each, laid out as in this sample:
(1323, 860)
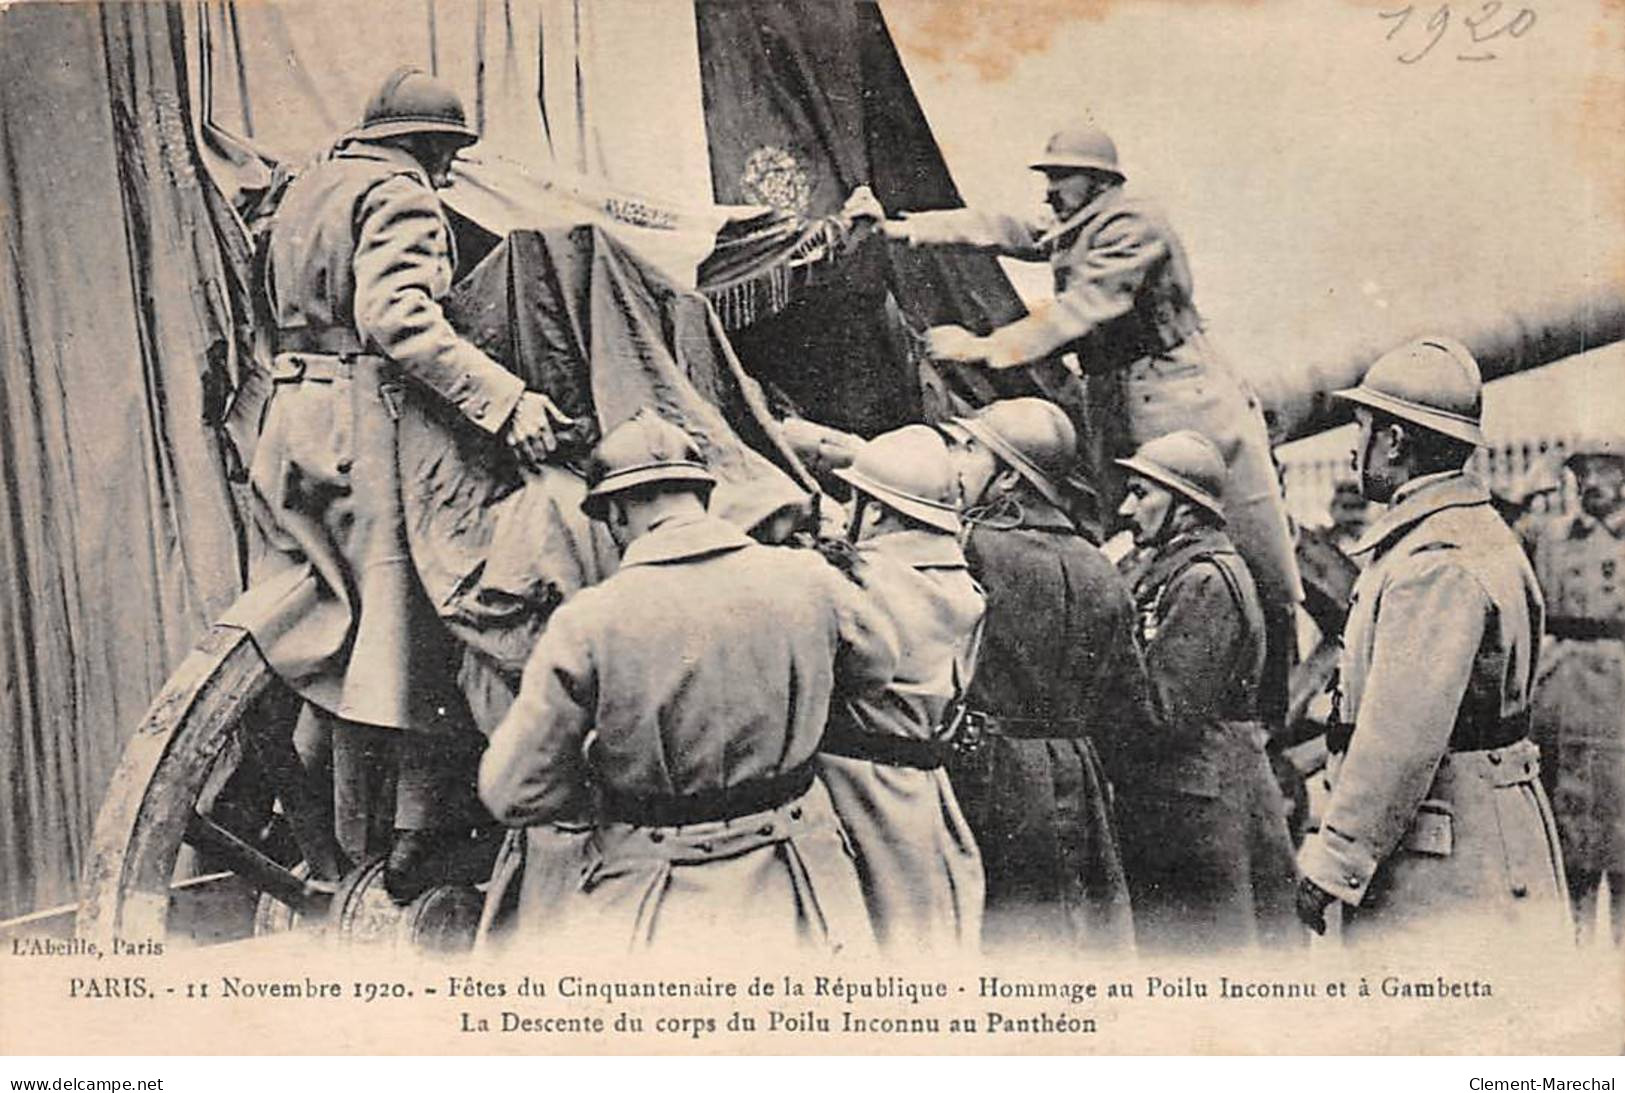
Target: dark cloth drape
(118, 537)
(803, 103)
(576, 315)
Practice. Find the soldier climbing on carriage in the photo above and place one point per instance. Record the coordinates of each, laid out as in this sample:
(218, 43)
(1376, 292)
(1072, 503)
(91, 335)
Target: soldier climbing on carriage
(360, 258)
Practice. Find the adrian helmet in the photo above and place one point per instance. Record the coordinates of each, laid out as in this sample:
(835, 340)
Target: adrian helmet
(641, 451)
(908, 470)
(1030, 435)
(412, 101)
(1079, 147)
(1432, 382)
(1187, 463)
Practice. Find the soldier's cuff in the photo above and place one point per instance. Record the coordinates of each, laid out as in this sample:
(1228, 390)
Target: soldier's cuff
(492, 398)
(1338, 865)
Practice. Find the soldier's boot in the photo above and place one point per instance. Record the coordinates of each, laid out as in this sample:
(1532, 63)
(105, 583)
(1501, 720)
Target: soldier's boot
(440, 827)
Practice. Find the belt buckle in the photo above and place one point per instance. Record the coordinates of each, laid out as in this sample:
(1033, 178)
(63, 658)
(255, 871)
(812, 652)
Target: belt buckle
(288, 368)
(393, 396)
(967, 730)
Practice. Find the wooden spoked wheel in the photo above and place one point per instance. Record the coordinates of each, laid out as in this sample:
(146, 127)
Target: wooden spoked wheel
(222, 719)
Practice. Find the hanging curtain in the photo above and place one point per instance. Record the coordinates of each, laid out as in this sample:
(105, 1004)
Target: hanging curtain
(118, 536)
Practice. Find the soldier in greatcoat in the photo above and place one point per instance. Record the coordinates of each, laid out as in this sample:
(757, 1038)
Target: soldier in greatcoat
(1205, 839)
(1437, 814)
(884, 754)
(679, 705)
(1124, 303)
(360, 256)
(1579, 716)
(1058, 674)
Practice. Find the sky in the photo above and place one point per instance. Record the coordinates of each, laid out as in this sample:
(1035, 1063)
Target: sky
(1333, 176)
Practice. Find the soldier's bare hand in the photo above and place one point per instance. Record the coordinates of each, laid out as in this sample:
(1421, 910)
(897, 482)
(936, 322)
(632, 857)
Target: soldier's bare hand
(953, 343)
(530, 432)
(863, 206)
(1312, 902)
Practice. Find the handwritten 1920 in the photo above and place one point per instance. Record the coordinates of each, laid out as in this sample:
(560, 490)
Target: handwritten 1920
(1476, 29)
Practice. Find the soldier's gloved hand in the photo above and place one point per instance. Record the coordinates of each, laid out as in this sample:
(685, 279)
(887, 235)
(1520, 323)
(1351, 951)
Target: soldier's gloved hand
(1312, 902)
(953, 343)
(530, 431)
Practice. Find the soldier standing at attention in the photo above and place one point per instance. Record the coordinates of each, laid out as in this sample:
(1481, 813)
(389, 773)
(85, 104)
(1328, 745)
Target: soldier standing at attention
(1058, 666)
(1436, 812)
(883, 756)
(360, 256)
(1205, 840)
(681, 703)
(1580, 700)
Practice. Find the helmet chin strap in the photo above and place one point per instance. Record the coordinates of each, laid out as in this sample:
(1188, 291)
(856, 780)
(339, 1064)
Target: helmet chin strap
(854, 526)
(1161, 533)
(997, 506)
(1177, 518)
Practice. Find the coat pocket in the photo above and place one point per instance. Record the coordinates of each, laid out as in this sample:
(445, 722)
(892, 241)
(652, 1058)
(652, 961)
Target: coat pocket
(1432, 830)
(1194, 776)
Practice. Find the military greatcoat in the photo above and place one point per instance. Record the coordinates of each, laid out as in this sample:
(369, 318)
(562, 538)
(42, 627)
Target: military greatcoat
(1205, 841)
(1437, 812)
(921, 870)
(695, 679)
(360, 256)
(1058, 672)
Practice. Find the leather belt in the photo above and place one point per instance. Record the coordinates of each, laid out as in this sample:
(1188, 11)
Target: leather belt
(1470, 734)
(1487, 734)
(337, 341)
(706, 806)
(1572, 629)
(892, 751)
(979, 723)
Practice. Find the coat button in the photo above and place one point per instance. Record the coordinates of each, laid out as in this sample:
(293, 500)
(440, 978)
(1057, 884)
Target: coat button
(767, 829)
(342, 466)
(1352, 881)
(1520, 890)
(1495, 758)
(657, 836)
(795, 813)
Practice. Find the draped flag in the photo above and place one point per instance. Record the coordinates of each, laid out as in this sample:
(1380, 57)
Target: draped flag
(803, 103)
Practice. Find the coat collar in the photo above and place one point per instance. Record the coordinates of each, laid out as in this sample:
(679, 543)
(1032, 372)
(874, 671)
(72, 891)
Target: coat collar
(1038, 514)
(383, 153)
(919, 549)
(1421, 498)
(1108, 198)
(1173, 556)
(681, 538)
